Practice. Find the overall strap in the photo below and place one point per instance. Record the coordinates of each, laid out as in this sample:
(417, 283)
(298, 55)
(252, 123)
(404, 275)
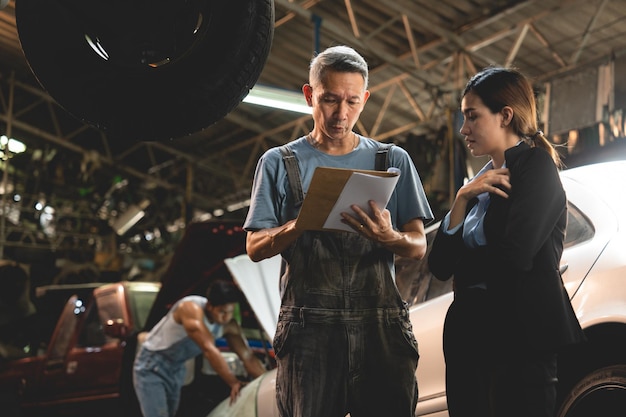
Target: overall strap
(382, 156)
(293, 174)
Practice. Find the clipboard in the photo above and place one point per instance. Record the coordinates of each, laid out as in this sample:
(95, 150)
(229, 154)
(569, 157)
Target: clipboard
(333, 190)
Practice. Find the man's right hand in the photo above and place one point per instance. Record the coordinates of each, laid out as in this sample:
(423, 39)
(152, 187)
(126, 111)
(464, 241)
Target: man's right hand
(235, 390)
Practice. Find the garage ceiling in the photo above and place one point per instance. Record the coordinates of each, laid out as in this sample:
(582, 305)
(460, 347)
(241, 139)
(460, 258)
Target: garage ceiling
(420, 52)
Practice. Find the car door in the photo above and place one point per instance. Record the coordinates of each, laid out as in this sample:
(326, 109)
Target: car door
(83, 365)
(591, 224)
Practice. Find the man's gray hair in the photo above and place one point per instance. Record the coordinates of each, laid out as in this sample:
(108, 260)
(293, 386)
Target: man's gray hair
(337, 58)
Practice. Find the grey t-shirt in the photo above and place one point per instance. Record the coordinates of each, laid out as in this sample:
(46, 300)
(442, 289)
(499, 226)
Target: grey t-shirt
(272, 203)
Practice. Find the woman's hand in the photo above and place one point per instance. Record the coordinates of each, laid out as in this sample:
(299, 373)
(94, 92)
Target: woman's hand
(496, 181)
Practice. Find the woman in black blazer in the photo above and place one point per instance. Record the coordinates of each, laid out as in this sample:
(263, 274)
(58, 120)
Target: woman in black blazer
(502, 240)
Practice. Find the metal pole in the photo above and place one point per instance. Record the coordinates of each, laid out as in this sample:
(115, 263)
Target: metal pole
(5, 186)
(5, 174)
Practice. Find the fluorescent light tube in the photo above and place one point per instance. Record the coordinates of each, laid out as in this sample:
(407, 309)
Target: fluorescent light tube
(278, 98)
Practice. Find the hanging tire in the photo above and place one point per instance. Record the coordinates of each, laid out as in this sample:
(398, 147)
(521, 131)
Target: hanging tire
(146, 70)
(600, 393)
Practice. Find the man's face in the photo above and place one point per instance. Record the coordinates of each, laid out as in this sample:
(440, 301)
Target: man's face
(337, 101)
(220, 314)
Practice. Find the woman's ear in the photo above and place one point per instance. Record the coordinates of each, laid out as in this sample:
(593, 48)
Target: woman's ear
(507, 115)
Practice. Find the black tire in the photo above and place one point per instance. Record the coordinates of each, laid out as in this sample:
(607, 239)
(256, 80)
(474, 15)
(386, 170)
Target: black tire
(170, 68)
(601, 393)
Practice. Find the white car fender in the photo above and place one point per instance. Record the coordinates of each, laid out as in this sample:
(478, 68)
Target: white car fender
(430, 368)
(601, 300)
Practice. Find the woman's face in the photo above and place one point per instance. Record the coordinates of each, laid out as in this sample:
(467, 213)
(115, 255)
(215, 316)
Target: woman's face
(484, 131)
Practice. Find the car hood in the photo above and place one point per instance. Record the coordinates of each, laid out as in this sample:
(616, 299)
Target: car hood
(259, 282)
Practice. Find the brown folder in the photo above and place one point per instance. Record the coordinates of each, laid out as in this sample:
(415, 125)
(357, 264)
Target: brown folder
(332, 186)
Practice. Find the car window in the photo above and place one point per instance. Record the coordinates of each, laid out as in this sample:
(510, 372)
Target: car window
(140, 305)
(579, 228)
(111, 308)
(92, 333)
(74, 308)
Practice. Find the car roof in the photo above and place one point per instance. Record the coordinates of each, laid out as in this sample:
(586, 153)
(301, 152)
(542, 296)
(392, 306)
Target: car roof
(597, 173)
(607, 180)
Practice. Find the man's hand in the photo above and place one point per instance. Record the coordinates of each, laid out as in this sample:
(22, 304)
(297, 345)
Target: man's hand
(235, 390)
(376, 227)
(409, 241)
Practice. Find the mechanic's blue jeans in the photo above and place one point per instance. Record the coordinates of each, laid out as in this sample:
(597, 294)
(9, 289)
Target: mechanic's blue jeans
(157, 384)
(333, 362)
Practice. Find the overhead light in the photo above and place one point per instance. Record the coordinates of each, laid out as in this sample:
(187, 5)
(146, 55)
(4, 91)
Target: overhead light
(97, 47)
(12, 145)
(6, 187)
(278, 98)
(130, 217)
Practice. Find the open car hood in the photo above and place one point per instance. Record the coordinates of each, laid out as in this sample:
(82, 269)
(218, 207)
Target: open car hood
(259, 282)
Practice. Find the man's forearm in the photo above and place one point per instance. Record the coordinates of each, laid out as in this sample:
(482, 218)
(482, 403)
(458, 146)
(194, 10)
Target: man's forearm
(254, 366)
(265, 243)
(219, 365)
(406, 244)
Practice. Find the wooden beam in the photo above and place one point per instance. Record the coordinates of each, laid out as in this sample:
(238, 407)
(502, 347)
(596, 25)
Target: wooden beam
(583, 41)
(518, 43)
(416, 108)
(355, 27)
(547, 45)
(411, 38)
(383, 109)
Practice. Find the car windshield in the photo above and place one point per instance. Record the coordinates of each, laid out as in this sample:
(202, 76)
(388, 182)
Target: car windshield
(141, 303)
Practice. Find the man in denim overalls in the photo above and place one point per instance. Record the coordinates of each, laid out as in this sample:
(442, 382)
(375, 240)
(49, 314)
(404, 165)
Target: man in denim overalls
(188, 330)
(344, 342)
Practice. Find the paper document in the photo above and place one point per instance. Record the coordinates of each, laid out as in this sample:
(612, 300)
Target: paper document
(333, 190)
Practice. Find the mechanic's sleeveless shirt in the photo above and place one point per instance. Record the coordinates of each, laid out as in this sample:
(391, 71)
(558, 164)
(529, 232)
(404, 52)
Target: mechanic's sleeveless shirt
(170, 338)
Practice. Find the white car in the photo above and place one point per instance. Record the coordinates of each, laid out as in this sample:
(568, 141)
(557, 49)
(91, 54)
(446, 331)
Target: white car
(592, 375)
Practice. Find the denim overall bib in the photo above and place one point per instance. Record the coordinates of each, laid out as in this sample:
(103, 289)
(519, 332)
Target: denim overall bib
(159, 375)
(344, 342)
